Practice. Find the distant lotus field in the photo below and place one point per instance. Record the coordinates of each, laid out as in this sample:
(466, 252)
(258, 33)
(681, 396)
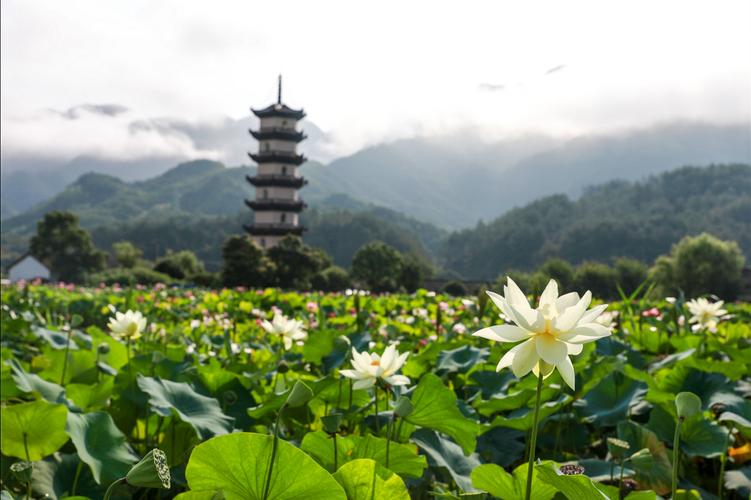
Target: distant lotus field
(189, 393)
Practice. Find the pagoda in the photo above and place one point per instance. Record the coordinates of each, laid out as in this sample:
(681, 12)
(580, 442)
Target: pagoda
(277, 204)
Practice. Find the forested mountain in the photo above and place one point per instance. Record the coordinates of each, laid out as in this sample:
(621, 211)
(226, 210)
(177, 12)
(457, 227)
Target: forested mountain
(451, 181)
(640, 220)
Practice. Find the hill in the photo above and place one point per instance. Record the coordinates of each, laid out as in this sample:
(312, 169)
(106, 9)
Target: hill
(451, 181)
(640, 220)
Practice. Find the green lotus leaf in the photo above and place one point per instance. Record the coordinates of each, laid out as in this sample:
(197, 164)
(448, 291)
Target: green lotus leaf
(38, 426)
(364, 479)
(100, 445)
(462, 359)
(201, 412)
(403, 458)
(32, 383)
(443, 452)
(54, 477)
(237, 465)
(499, 483)
(576, 486)
(658, 477)
(609, 402)
(435, 408)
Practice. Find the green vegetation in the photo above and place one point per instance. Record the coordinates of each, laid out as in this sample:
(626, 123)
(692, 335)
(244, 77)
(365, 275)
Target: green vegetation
(204, 391)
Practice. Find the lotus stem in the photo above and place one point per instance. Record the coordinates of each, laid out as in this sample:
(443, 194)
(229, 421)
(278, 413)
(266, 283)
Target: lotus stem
(336, 454)
(65, 359)
(533, 441)
(389, 432)
(620, 479)
(723, 460)
(108, 494)
(375, 410)
(75, 479)
(267, 482)
(676, 456)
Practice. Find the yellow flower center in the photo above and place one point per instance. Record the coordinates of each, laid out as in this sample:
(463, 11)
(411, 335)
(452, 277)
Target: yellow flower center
(375, 362)
(131, 330)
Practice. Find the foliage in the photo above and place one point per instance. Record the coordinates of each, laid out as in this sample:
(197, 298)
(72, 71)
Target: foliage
(295, 263)
(205, 367)
(137, 275)
(378, 267)
(179, 265)
(66, 247)
(126, 254)
(701, 265)
(244, 263)
(597, 277)
(331, 279)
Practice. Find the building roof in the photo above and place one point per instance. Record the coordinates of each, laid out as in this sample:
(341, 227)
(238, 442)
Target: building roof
(280, 110)
(24, 256)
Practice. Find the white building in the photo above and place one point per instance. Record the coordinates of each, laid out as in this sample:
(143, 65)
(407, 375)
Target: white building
(28, 268)
(277, 204)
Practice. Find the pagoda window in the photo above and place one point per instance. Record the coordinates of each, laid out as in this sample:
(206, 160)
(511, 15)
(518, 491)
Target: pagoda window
(266, 146)
(284, 217)
(284, 170)
(263, 242)
(265, 194)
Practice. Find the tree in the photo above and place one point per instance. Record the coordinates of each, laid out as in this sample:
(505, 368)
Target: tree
(378, 266)
(66, 247)
(244, 263)
(331, 279)
(126, 254)
(630, 273)
(597, 277)
(295, 263)
(414, 271)
(179, 265)
(559, 270)
(699, 265)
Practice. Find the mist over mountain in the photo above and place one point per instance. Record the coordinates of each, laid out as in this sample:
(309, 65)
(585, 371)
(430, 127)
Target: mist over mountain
(449, 181)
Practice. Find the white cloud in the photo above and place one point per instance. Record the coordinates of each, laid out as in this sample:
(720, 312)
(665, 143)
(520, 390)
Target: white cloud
(370, 72)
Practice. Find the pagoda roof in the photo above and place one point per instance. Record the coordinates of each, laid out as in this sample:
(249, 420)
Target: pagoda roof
(280, 110)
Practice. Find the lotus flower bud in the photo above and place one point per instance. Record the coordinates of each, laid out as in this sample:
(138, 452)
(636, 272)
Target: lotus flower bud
(331, 423)
(76, 321)
(618, 447)
(299, 395)
(22, 471)
(103, 348)
(642, 459)
(151, 472)
(687, 404)
(157, 357)
(403, 407)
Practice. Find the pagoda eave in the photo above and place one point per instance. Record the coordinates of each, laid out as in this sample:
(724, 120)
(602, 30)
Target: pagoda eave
(279, 111)
(274, 229)
(279, 134)
(276, 181)
(276, 205)
(277, 157)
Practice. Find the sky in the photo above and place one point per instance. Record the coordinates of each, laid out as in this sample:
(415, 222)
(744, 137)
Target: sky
(138, 78)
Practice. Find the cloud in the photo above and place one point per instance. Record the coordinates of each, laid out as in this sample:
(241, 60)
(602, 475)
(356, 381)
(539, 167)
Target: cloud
(492, 87)
(77, 112)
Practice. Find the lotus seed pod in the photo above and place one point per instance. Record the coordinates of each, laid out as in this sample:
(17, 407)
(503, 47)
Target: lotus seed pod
(571, 470)
(331, 423)
(22, 471)
(103, 348)
(282, 367)
(618, 447)
(299, 395)
(151, 472)
(687, 404)
(230, 397)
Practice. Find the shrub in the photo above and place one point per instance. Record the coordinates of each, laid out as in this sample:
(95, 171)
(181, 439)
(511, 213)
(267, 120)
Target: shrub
(521, 278)
(332, 279)
(455, 289)
(244, 263)
(295, 263)
(630, 273)
(125, 276)
(377, 266)
(179, 265)
(597, 277)
(699, 265)
(126, 253)
(559, 270)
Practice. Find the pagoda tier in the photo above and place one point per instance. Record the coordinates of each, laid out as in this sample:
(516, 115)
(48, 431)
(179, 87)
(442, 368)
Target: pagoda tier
(278, 157)
(274, 229)
(280, 133)
(279, 110)
(277, 180)
(276, 205)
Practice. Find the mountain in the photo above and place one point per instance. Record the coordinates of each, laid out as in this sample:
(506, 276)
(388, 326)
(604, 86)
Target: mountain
(451, 181)
(198, 204)
(617, 219)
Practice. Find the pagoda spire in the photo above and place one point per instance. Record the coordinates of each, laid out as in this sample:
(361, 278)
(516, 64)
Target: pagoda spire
(279, 91)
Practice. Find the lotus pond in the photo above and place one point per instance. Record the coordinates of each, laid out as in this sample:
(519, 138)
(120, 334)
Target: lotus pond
(235, 394)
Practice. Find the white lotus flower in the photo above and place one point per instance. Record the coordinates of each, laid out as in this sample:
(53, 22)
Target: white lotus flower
(369, 368)
(128, 325)
(705, 314)
(291, 330)
(556, 329)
